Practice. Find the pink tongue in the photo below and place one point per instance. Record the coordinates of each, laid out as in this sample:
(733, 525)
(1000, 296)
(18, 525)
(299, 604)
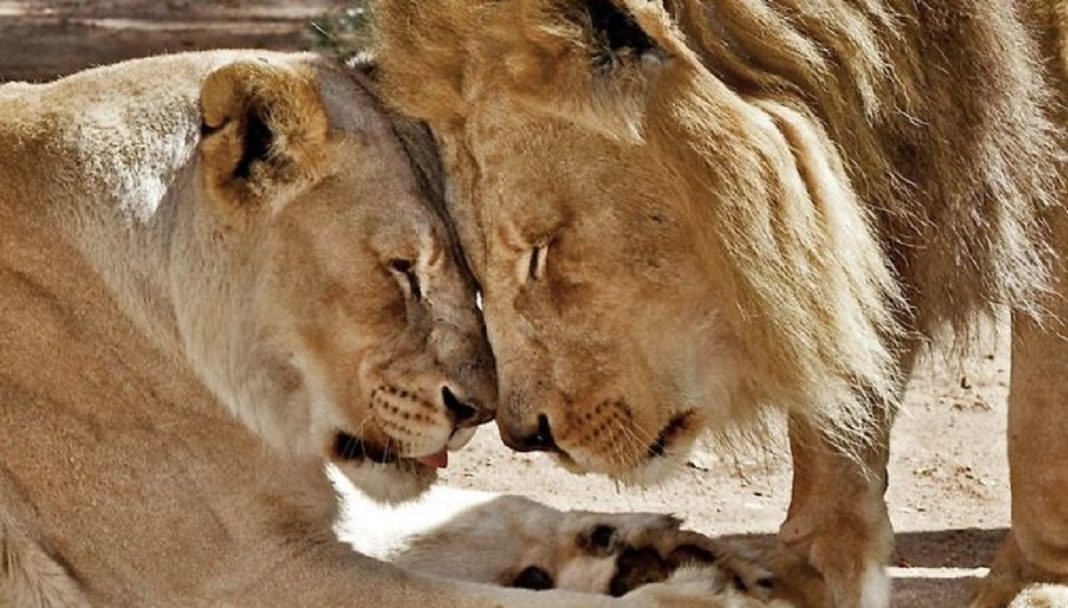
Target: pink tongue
(440, 460)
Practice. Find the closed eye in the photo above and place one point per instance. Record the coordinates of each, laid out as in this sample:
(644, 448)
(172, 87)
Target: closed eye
(536, 262)
(406, 270)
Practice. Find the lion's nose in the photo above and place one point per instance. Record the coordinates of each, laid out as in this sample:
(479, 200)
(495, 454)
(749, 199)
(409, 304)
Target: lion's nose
(537, 438)
(464, 413)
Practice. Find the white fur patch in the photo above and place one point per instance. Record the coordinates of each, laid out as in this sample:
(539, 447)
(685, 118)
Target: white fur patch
(1042, 596)
(381, 530)
(875, 588)
(387, 483)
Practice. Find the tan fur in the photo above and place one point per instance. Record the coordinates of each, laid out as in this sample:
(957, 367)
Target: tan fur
(211, 267)
(682, 212)
(494, 539)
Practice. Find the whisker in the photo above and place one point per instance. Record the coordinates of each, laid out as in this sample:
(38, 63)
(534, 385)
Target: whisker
(634, 450)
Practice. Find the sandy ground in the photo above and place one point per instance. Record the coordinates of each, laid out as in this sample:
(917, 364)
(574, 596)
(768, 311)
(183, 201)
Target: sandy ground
(43, 39)
(948, 483)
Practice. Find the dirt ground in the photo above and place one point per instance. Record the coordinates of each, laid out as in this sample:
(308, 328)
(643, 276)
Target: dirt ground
(948, 491)
(43, 39)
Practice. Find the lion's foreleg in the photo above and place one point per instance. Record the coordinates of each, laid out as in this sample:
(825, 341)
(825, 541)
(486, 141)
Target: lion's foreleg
(837, 518)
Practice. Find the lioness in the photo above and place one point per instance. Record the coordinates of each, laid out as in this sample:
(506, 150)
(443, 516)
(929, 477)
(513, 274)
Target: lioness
(682, 212)
(217, 271)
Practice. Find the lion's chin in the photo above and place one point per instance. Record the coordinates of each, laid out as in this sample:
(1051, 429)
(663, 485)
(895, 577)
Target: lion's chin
(654, 471)
(390, 483)
(649, 473)
(664, 458)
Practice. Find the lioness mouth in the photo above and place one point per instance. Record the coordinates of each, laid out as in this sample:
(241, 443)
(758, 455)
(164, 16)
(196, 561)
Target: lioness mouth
(347, 447)
(674, 428)
(351, 448)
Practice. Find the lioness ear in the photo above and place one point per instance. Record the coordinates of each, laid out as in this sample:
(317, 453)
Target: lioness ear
(264, 127)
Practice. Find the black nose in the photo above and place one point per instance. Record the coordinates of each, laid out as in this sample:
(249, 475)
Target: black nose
(540, 441)
(464, 414)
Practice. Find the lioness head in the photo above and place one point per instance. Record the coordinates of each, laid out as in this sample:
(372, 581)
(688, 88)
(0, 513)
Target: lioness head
(319, 293)
(658, 251)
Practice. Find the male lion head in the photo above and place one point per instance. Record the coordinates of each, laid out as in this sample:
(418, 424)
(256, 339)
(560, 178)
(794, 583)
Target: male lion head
(319, 293)
(658, 252)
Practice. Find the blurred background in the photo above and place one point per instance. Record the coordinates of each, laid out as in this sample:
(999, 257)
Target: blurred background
(43, 39)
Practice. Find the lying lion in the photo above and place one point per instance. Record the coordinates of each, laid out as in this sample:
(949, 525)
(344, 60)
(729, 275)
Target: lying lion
(218, 271)
(686, 213)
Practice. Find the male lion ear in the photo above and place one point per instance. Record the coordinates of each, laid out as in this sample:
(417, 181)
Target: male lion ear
(264, 127)
(617, 30)
(593, 62)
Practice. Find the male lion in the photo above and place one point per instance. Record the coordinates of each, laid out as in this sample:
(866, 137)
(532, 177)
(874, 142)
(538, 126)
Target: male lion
(684, 211)
(217, 271)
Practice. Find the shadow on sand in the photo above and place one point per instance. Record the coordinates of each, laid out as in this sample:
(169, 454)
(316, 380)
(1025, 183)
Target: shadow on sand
(931, 569)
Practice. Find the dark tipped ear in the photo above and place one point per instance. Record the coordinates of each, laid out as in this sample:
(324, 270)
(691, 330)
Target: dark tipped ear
(594, 62)
(256, 142)
(263, 128)
(616, 29)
